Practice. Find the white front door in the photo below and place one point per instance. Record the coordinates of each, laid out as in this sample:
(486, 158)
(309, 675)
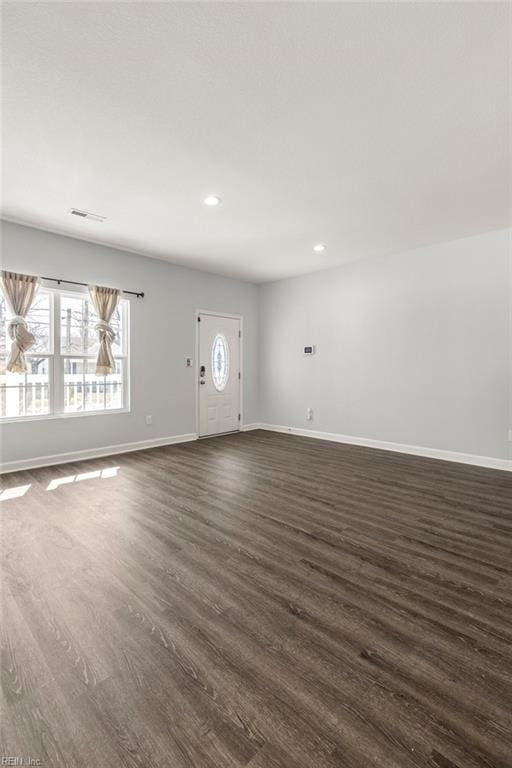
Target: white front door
(219, 374)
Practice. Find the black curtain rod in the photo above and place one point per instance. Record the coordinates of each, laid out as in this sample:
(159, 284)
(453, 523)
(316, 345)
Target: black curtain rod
(138, 294)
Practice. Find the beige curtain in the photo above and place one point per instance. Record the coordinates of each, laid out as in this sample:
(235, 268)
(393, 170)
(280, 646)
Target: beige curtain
(105, 301)
(19, 292)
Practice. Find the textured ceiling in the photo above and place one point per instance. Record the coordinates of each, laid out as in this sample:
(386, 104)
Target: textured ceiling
(370, 127)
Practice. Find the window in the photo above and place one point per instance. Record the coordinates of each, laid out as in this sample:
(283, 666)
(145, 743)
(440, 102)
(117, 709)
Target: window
(61, 376)
(27, 394)
(83, 390)
(220, 362)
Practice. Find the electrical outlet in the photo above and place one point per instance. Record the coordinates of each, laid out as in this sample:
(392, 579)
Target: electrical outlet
(309, 414)
(189, 362)
(149, 420)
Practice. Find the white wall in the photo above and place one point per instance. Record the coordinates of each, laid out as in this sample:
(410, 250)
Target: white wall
(162, 330)
(412, 348)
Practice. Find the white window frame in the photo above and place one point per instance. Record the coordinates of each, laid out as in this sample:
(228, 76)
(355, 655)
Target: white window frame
(56, 365)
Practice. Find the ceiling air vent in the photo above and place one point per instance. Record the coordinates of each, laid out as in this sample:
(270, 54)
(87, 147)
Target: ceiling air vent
(86, 215)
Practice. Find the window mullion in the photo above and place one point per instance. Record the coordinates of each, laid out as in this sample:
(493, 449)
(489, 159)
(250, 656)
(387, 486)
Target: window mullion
(25, 394)
(53, 352)
(58, 363)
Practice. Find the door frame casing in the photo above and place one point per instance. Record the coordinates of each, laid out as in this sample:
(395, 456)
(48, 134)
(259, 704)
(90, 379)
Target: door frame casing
(240, 318)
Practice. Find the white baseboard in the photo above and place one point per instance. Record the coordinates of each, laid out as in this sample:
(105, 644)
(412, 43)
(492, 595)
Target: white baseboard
(93, 453)
(112, 450)
(249, 427)
(415, 450)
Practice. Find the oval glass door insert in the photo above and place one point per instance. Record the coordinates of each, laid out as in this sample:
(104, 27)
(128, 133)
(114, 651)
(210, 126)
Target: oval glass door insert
(220, 362)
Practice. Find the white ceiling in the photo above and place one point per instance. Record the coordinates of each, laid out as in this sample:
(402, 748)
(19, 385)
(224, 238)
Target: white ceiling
(370, 127)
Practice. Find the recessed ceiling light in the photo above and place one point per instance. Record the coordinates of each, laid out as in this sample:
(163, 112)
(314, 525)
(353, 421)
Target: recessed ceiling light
(212, 200)
(319, 248)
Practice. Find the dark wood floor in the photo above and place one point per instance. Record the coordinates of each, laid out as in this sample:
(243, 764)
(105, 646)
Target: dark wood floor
(258, 600)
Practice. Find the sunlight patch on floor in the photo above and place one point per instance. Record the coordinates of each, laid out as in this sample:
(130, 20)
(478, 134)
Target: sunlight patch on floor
(14, 493)
(97, 473)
